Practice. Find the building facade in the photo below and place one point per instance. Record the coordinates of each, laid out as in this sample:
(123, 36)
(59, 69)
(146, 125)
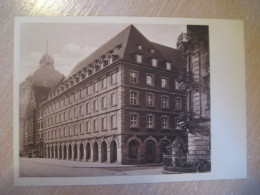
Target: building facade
(194, 46)
(120, 104)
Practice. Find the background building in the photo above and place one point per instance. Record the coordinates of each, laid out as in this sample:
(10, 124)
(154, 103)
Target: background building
(194, 46)
(120, 104)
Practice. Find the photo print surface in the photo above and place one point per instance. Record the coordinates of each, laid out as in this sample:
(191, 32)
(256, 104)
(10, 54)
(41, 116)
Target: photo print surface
(113, 99)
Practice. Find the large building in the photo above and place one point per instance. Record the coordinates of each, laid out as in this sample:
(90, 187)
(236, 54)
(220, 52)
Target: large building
(120, 104)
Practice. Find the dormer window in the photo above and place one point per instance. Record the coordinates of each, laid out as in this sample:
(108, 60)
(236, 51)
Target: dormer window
(139, 58)
(110, 61)
(139, 47)
(168, 66)
(154, 62)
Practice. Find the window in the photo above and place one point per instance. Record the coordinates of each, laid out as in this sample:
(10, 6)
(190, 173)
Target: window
(177, 125)
(168, 66)
(81, 110)
(95, 125)
(104, 123)
(164, 83)
(113, 99)
(178, 103)
(87, 108)
(165, 122)
(113, 121)
(64, 132)
(60, 135)
(82, 91)
(56, 133)
(165, 101)
(70, 114)
(95, 87)
(134, 120)
(152, 50)
(113, 78)
(70, 130)
(154, 62)
(149, 80)
(71, 98)
(81, 128)
(64, 115)
(150, 121)
(95, 105)
(60, 117)
(87, 127)
(133, 77)
(88, 90)
(110, 61)
(139, 58)
(133, 97)
(75, 129)
(75, 112)
(104, 82)
(104, 102)
(150, 99)
(139, 47)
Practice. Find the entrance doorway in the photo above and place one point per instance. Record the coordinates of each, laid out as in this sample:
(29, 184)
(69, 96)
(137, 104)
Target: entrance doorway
(150, 151)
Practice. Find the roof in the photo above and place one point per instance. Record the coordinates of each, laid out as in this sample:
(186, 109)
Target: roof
(129, 38)
(46, 77)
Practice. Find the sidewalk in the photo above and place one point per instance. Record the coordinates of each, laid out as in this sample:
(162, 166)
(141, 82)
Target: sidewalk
(75, 164)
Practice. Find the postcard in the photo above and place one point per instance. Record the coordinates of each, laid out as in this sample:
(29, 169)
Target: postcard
(114, 100)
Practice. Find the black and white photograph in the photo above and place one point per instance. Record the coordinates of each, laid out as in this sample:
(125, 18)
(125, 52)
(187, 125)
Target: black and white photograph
(114, 99)
(110, 100)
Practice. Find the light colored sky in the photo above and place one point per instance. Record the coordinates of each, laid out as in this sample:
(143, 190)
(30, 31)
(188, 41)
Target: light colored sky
(69, 43)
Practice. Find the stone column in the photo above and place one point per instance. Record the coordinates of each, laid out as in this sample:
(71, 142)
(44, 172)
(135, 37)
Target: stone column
(92, 154)
(50, 152)
(108, 155)
(141, 158)
(99, 154)
(62, 152)
(67, 151)
(47, 152)
(72, 148)
(79, 154)
(58, 157)
(85, 154)
(119, 155)
(158, 154)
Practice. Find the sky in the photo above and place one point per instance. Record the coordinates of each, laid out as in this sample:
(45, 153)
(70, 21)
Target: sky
(69, 43)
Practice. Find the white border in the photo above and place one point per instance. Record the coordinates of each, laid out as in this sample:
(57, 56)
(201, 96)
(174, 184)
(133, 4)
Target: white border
(228, 103)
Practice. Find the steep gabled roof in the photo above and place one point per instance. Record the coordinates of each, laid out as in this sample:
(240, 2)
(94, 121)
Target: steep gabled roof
(129, 38)
(120, 39)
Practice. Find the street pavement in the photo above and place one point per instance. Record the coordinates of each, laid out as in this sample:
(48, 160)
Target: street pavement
(39, 167)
